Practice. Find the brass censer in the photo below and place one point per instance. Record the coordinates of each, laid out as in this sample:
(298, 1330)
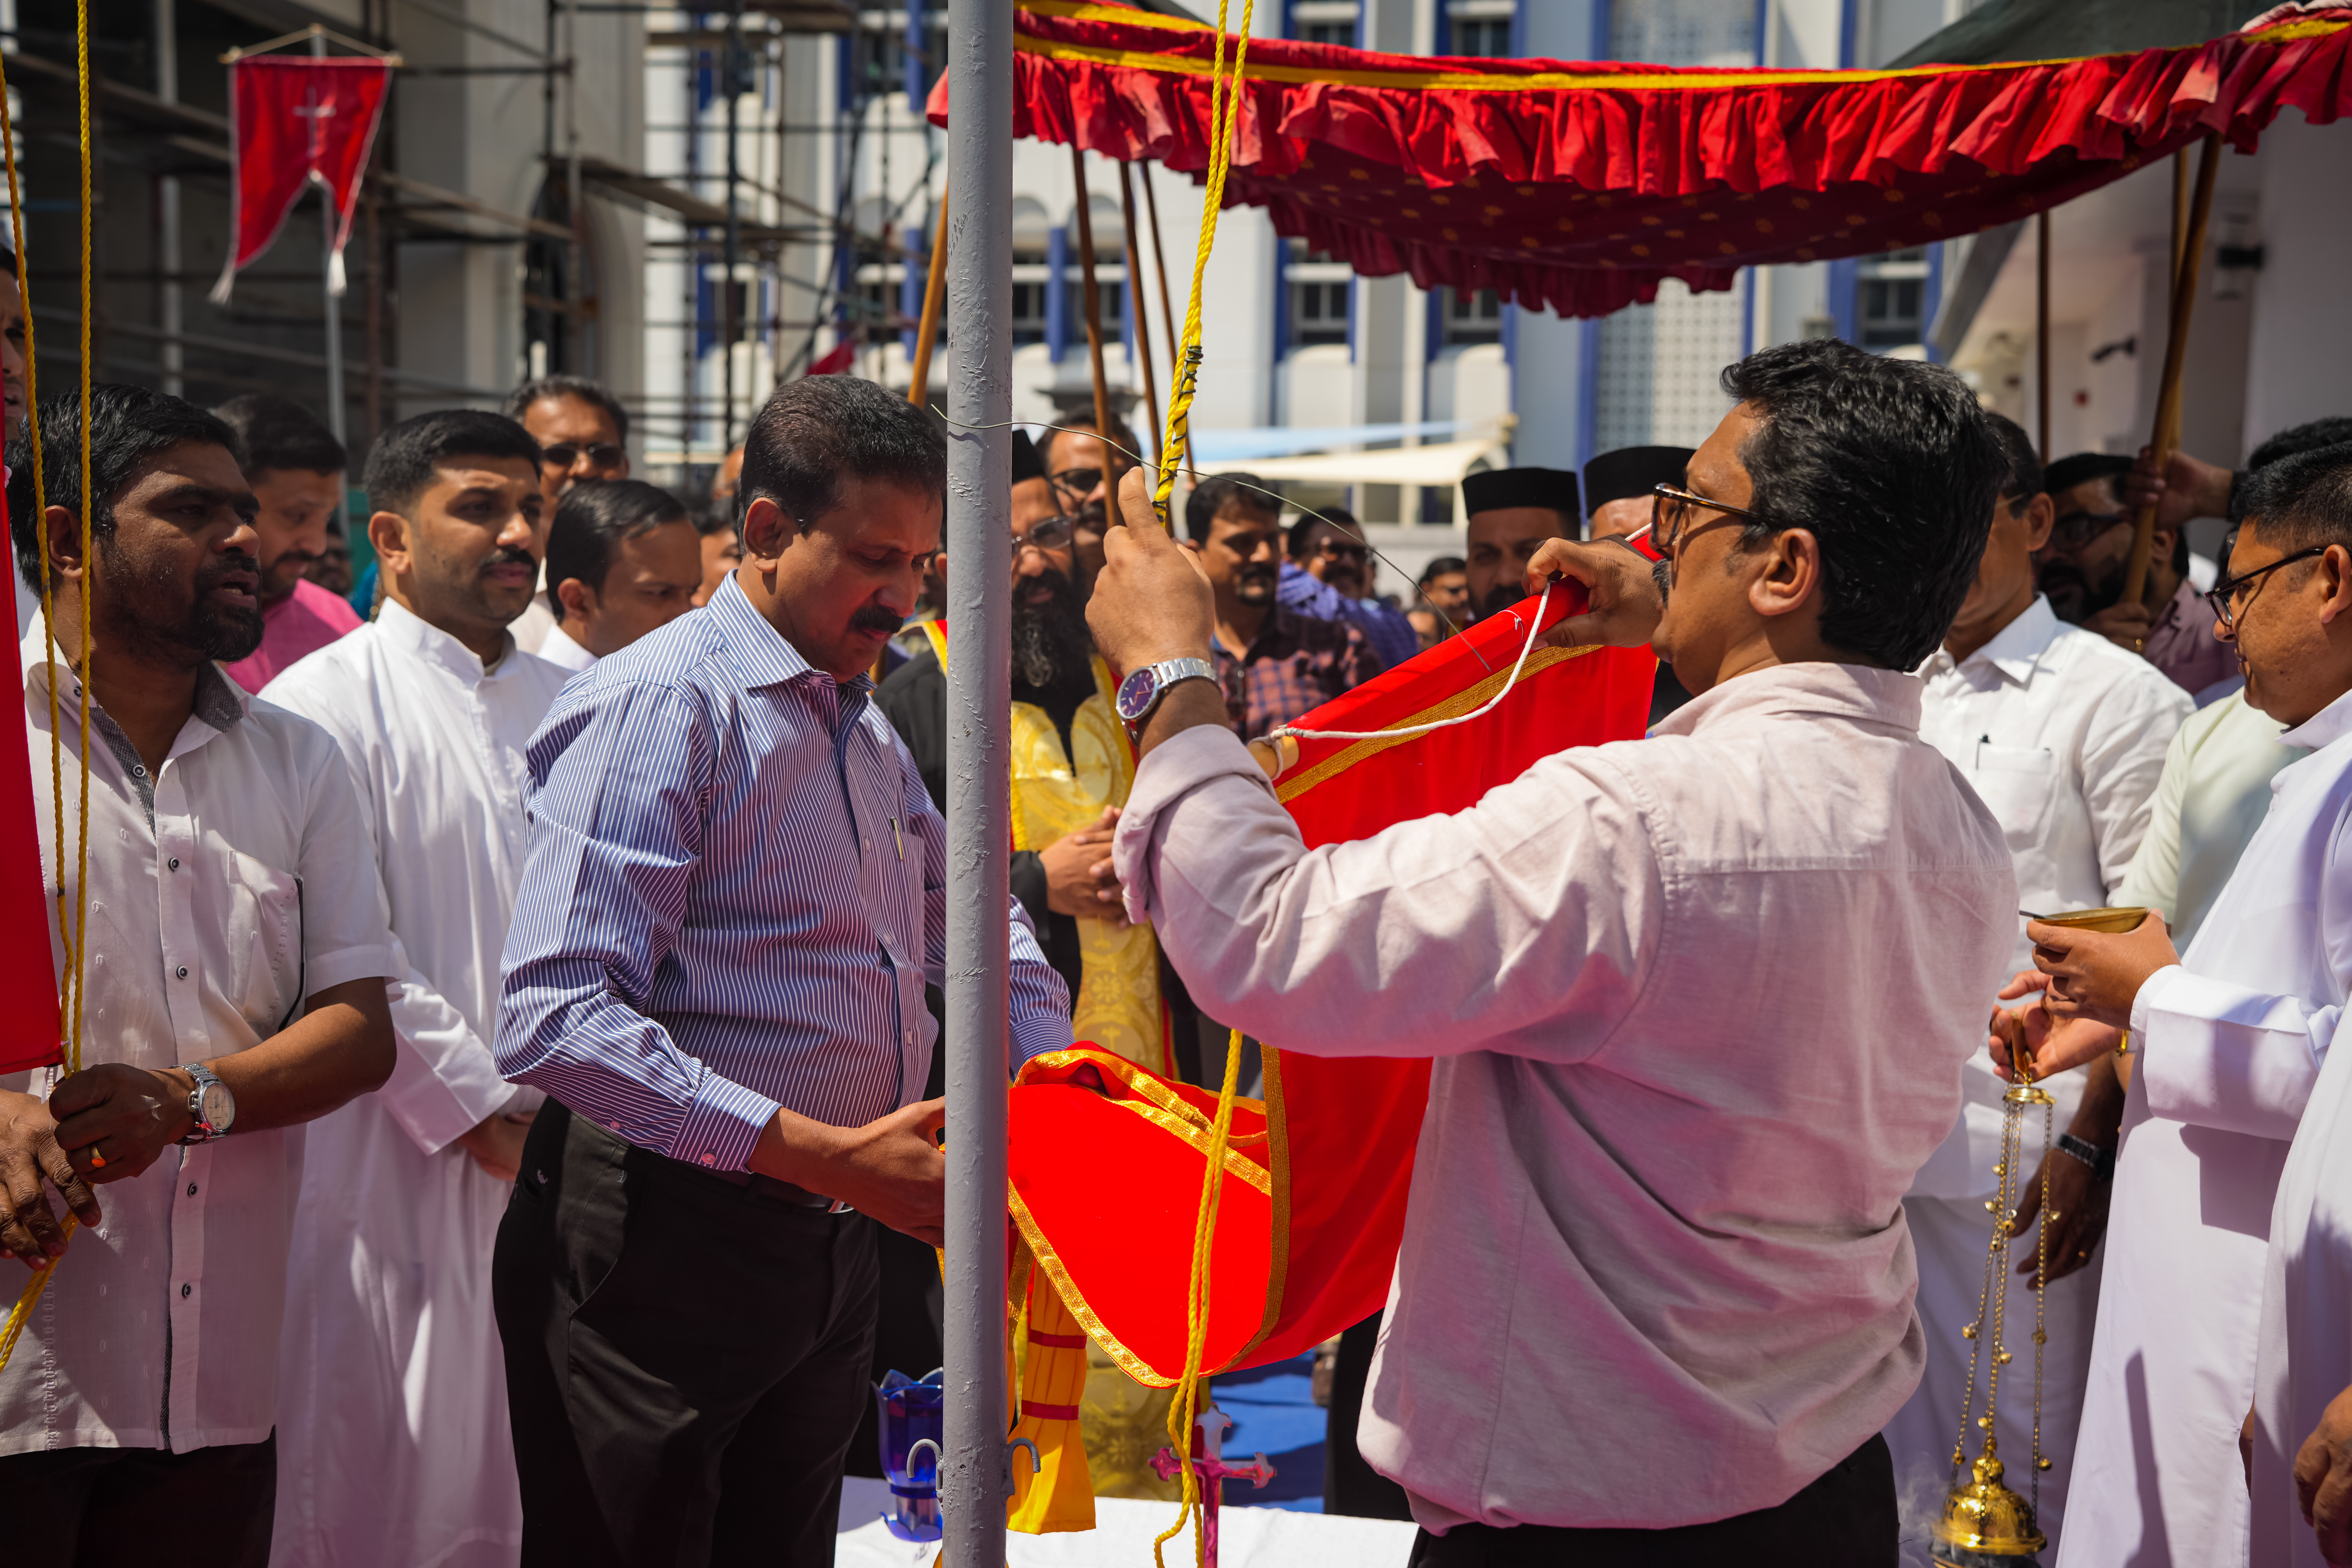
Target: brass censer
(1984, 1523)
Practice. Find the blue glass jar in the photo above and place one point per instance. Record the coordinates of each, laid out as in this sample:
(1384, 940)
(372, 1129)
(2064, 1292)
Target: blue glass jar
(911, 1431)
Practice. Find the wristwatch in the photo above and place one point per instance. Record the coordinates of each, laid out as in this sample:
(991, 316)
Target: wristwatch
(1140, 692)
(2101, 1161)
(210, 1106)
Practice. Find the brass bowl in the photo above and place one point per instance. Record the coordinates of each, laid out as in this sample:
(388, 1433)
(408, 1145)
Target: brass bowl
(2111, 922)
(1983, 1520)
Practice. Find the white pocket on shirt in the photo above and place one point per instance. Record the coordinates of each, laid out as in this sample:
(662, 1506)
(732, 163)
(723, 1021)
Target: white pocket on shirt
(2019, 786)
(263, 981)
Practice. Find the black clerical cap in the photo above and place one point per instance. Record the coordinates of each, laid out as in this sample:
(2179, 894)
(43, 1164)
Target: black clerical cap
(1631, 471)
(1026, 463)
(1496, 488)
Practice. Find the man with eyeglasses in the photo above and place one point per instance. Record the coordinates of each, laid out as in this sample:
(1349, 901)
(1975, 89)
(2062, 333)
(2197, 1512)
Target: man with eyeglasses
(1083, 469)
(2081, 569)
(2063, 735)
(583, 434)
(1328, 575)
(2227, 1040)
(1698, 1002)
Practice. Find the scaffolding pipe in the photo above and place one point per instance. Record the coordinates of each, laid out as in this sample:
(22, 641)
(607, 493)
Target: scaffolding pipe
(332, 298)
(167, 207)
(974, 1478)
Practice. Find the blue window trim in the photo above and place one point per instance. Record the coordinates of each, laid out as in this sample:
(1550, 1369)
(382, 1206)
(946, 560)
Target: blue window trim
(1058, 292)
(910, 291)
(917, 88)
(1588, 390)
(1846, 275)
(1746, 311)
(1931, 299)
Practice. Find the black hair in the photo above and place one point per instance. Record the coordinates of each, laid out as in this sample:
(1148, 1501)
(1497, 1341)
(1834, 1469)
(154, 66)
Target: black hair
(2304, 499)
(2021, 479)
(592, 519)
(129, 424)
(2308, 437)
(1442, 566)
(814, 431)
(277, 433)
(403, 460)
(718, 517)
(1892, 466)
(2082, 468)
(1302, 531)
(1210, 496)
(579, 386)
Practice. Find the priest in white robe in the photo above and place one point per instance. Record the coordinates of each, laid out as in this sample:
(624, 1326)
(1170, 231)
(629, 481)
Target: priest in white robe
(2063, 735)
(395, 1449)
(2228, 1037)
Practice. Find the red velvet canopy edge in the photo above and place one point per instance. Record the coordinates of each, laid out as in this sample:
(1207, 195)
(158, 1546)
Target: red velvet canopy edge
(1580, 186)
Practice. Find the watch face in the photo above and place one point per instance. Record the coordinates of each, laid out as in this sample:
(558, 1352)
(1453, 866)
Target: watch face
(220, 1107)
(1135, 694)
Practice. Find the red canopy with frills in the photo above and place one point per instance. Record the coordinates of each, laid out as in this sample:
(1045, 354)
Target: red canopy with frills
(1579, 186)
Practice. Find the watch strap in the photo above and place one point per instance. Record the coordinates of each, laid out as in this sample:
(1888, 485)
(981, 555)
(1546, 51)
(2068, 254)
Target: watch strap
(201, 1078)
(2101, 1161)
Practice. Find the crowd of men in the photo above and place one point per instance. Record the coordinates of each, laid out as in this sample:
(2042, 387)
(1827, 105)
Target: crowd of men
(507, 1121)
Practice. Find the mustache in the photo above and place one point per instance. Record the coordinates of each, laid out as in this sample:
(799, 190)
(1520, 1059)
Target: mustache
(875, 618)
(506, 555)
(235, 560)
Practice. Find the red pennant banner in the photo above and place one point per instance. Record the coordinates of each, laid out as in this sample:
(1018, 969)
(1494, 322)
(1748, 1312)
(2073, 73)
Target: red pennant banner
(295, 123)
(29, 1032)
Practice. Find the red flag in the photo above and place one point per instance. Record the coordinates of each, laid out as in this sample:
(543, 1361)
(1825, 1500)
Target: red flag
(28, 1026)
(294, 122)
(842, 355)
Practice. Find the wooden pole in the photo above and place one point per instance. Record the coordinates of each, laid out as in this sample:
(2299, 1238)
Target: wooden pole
(2179, 221)
(1136, 312)
(2166, 434)
(935, 289)
(1093, 303)
(1167, 310)
(2041, 328)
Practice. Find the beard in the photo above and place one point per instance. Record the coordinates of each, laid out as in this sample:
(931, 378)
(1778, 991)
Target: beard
(2073, 594)
(1257, 582)
(1051, 644)
(140, 591)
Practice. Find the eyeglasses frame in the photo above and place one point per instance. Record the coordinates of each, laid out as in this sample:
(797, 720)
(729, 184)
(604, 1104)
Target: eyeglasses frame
(2220, 598)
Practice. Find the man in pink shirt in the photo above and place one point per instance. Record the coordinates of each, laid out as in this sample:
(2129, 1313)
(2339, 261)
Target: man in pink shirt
(296, 469)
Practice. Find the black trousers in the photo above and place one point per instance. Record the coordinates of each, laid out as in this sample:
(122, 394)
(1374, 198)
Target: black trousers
(133, 1508)
(1845, 1519)
(1350, 1485)
(686, 1358)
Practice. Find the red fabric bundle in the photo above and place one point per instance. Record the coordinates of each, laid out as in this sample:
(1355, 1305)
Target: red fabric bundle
(1580, 186)
(1107, 1189)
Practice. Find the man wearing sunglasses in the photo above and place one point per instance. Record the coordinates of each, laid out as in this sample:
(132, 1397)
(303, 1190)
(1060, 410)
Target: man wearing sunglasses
(2226, 1039)
(1698, 1002)
(2081, 565)
(2063, 735)
(1083, 469)
(583, 434)
(1328, 574)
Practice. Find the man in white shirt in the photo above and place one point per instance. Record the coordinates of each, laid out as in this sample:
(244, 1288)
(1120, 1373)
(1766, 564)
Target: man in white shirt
(1654, 1301)
(2227, 1038)
(622, 558)
(235, 968)
(2062, 736)
(398, 1452)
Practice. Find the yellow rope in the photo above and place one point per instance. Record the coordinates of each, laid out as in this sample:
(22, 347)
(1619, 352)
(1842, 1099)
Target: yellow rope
(1224, 105)
(1182, 1414)
(70, 999)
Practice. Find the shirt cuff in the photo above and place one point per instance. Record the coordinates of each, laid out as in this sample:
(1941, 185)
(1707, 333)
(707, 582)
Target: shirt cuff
(1175, 768)
(2148, 999)
(723, 1125)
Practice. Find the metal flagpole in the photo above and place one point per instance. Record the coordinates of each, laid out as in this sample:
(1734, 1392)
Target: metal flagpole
(328, 292)
(974, 1476)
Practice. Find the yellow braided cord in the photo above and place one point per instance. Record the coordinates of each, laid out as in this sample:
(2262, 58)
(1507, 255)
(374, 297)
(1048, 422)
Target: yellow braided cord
(69, 998)
(88, 558)
(1181, 1414)
(1224, 104)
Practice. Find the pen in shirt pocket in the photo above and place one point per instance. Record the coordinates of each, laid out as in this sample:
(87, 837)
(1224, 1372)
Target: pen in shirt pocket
(898, 838)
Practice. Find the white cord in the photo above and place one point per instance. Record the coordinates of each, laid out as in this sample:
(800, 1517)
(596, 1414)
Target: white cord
(1535, 629)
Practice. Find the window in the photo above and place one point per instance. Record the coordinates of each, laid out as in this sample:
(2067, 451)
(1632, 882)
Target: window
(1341, 33)
(1484, 36)
(1472, 318)
(1322, 295)
(1325, 22)
(1890, 300)
(1028, 308)
(558, 310)
(1030, 236)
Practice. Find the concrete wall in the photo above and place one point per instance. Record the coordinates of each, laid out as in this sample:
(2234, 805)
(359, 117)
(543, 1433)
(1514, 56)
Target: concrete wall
(2299, 348)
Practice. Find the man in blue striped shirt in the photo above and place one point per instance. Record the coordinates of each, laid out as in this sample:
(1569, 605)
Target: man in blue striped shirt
(736, 884)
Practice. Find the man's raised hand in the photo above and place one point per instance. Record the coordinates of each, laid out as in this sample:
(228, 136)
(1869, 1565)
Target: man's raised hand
(1621, 588)
(1153, 601)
